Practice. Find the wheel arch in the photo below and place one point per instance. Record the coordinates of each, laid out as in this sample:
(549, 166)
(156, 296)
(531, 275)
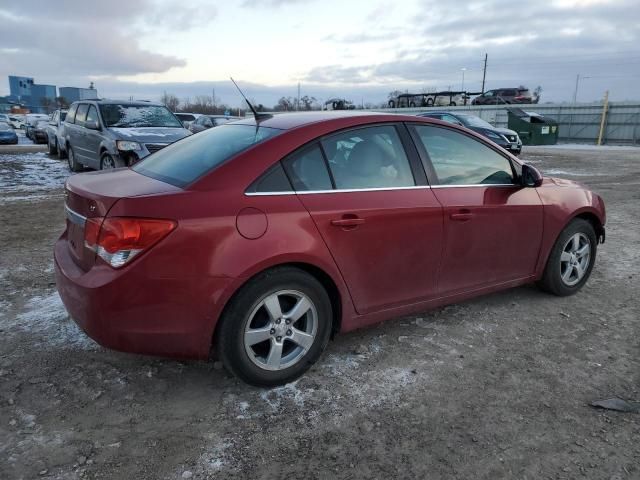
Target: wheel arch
(325, 279)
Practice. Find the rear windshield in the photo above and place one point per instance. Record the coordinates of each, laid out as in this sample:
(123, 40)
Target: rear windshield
(186, 161)
(124, 116)
(185, 117)
(4, 126)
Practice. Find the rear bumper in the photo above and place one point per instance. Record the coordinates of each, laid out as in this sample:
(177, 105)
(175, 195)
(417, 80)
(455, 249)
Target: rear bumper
(132, 310)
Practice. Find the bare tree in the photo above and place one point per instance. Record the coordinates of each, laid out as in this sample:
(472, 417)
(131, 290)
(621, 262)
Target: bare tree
(48, 104)
(171, 101)
(62, 102)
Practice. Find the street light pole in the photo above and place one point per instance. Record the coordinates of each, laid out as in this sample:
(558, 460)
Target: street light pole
(575, 92)
(463, 70)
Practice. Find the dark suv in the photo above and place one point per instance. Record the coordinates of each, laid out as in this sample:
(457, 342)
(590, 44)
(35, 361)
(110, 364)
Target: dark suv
(105, 134)
(505, 95)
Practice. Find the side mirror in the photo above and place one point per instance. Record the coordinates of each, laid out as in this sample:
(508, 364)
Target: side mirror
(92, 125)
(531, 177)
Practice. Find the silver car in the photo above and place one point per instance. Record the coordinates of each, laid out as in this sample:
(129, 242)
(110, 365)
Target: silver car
(55, 133)
(104, 134)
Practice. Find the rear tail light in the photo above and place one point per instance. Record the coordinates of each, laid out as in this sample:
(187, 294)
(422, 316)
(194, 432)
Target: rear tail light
(117, 240)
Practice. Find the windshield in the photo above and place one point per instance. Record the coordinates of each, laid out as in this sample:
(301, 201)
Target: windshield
(473, 121)
(125, 116)
(4, 126)
(189, 159)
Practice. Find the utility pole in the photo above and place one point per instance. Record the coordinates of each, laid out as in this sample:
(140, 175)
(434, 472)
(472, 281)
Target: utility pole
(484, 71)
(575, 92)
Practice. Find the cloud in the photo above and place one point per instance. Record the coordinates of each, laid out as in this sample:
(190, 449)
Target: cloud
(538, 43)
(83, 39)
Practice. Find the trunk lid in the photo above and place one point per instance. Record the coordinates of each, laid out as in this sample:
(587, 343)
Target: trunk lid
(89, 195)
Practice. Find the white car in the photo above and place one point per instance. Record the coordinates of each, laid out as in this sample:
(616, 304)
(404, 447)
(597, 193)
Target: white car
(16, 121)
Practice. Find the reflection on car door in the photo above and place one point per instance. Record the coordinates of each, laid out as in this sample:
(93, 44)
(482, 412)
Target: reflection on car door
(493, 226)
(381, 222)
(92, 138)
(78, 136)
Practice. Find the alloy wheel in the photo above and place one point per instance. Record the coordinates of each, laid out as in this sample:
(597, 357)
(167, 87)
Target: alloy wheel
(575, 258)
(281, 330)
(108, 162)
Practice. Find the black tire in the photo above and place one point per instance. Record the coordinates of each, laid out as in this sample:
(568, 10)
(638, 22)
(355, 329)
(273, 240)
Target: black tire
(552, 281)
(392, 104)
(107, 160)
(53, 148)
(74, 165)
(452, 104)
(231, 331)
(429, 102)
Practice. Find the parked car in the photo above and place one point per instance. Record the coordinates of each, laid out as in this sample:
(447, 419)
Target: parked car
(55, 133)
(507, 139)
(33, 118)
(263, 238)
(338, 104)
(38, 132)
(7, 135)
(439, 99)
(187, 118)
(16, 121)
(104, 134)
(504, 96)
(204, 122)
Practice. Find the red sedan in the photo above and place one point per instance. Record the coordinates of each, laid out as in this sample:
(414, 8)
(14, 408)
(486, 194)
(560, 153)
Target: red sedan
(262, 239)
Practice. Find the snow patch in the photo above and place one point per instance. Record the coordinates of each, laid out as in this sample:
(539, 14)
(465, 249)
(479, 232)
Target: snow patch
(26, 176)
(46, 317)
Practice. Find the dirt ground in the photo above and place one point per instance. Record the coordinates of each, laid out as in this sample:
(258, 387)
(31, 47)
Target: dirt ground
(497, 387)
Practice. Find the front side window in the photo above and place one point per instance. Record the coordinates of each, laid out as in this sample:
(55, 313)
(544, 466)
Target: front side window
(71, 114)
(81, 114)
(129, 116)
(308, 170)
(186, 161)
(92, 114)
(370, 157)
(461, 160)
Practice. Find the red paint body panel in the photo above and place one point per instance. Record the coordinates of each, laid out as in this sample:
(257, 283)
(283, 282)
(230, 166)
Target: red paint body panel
(408, 255)
(497, 239)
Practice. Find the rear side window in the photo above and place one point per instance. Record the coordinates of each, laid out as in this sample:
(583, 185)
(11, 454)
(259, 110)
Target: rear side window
(71, 114)
(370, 157)
(81, 114)
(186, 161)
(273, 180)
(461, 160)
(308, 170)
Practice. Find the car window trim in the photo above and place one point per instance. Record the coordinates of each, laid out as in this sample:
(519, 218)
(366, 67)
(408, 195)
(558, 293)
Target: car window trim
(408, 145)
(429, 165)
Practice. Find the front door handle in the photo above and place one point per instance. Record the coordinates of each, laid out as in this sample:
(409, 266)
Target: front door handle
(347, 222)
(461, 216)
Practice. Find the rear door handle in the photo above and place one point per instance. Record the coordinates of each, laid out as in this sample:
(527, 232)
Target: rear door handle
(347, 222)
(461, 216)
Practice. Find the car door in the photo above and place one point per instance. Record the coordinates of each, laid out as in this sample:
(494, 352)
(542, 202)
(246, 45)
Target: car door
(92, 138)
(493, 225)
(367, 194)
(78, 135)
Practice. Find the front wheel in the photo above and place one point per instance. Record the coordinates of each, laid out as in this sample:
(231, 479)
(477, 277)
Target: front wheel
(53, 148)
(108, 162)
(275, 327)
(74, 165)
(571, 260)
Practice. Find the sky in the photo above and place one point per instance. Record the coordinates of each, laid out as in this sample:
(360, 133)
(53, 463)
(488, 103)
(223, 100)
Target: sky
(356, 49)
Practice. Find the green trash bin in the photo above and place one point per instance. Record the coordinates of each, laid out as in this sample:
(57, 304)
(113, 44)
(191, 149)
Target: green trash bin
(533, 128)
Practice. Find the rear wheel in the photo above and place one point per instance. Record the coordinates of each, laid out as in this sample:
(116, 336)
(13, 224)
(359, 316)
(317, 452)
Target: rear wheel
(74, 166)
(275, 327)
(571, 260)
(392, 104)
(429, 102)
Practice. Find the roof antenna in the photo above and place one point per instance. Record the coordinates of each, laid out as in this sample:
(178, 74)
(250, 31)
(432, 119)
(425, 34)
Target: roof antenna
(256, 115)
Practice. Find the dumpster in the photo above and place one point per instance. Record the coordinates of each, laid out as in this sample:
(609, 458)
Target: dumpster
(533, 128)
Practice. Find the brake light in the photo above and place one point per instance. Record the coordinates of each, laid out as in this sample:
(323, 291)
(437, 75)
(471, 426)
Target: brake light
(520, 97)
(117, 240)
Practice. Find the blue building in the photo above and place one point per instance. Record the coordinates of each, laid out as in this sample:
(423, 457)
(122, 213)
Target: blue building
(43, 95)
(73, 94)
(20, 87)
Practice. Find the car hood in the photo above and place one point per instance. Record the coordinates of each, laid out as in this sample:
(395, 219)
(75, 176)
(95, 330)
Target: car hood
(505, 131)
(150, 134)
